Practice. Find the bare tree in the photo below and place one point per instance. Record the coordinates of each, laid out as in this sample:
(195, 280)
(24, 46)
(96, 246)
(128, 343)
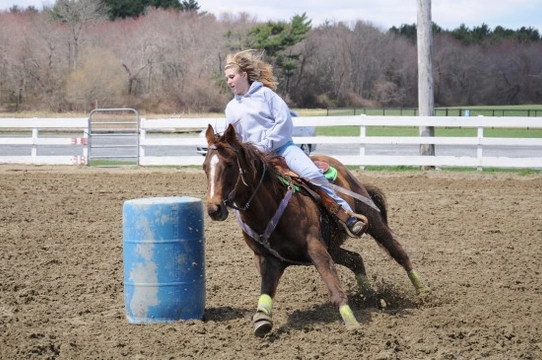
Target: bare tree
(7, 81)
(516, 72)
(173, 61)
(99, 80)
(77, 14)
(30, 64)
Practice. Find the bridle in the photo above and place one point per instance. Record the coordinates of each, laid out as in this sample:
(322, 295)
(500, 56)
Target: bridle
(229, 201)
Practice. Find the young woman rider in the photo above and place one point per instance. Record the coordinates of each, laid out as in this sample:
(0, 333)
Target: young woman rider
(262, 117)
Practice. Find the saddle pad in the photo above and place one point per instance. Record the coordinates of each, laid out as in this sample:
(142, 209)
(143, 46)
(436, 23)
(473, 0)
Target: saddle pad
(329, 172)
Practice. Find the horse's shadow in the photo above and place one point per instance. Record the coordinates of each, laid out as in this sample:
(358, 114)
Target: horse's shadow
(364, 305)
(388, 299)
(225, 313)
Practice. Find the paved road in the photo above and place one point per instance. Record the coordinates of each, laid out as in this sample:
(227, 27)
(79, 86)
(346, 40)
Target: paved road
(130, 149)
(440, 150)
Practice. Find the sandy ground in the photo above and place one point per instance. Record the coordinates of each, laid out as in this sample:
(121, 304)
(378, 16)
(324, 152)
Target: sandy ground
(475, 238)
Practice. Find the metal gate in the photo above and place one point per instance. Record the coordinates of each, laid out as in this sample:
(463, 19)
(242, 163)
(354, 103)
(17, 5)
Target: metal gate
(113, 138)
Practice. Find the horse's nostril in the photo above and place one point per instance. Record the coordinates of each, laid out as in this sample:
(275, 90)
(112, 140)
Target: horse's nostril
(212, 208)
(213, 213)
(217, 211)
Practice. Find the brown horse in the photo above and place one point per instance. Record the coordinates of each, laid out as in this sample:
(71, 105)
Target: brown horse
(285, 227)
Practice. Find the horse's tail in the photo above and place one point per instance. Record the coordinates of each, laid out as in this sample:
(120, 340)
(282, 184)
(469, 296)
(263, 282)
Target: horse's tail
(379, 199)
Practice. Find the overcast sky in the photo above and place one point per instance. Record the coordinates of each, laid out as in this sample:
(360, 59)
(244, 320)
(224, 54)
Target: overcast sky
(449, 14)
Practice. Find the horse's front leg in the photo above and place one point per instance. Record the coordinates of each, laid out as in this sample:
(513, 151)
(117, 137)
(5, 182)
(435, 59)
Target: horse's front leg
(271, 271)
(326, 267)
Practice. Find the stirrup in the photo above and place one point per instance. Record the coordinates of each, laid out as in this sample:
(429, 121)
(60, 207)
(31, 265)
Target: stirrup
(361, 219)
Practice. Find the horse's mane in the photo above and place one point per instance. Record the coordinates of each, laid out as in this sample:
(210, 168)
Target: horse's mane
(254, 157)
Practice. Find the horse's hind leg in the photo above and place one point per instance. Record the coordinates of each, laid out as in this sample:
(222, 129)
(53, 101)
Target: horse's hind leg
(383, 235)
(354, 262)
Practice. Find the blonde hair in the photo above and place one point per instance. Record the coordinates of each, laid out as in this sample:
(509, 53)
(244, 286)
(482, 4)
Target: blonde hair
(250, 61)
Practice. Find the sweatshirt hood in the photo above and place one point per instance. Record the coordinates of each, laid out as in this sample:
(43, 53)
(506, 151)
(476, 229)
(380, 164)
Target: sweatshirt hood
(255, 86)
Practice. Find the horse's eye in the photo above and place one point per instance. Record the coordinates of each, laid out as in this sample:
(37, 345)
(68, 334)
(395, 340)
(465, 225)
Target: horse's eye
(228, 164)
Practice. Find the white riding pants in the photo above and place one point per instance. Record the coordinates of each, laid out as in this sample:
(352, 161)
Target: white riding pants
(303, 166)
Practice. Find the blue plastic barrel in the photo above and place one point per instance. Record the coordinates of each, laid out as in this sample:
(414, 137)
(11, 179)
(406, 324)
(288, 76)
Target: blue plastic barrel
(164, 259)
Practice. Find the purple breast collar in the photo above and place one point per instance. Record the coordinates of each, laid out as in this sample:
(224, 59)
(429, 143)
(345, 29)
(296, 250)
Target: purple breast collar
(263, 239)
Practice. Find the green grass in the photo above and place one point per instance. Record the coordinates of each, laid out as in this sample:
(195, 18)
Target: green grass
(505, 110)
(501, 110)
(439, 131)
(521, 172)
(111, 163)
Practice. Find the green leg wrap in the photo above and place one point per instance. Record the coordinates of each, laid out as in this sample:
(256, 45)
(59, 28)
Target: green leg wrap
(417, 281)
(363, 283)
(265, 304)
(348, 317)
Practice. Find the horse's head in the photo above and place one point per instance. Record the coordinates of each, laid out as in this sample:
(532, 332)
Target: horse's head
(223, 171)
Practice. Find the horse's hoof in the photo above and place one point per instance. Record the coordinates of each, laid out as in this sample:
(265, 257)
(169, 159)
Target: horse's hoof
(424, 294)
(364, 285)
(353, 326)
(262, 324)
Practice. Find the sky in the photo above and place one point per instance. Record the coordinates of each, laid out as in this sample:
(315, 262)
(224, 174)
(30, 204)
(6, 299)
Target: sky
(448, 14)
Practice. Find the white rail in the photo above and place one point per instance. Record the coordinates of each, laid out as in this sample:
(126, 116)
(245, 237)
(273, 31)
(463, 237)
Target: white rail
(11, 129)
(71, 132)
(480, 160)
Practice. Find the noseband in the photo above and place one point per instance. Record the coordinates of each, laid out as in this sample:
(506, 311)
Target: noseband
(229, 201)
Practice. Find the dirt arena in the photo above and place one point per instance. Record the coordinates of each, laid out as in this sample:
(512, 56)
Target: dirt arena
(474, 237)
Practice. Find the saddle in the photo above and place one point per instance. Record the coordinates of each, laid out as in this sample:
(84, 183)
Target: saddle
(315, 191)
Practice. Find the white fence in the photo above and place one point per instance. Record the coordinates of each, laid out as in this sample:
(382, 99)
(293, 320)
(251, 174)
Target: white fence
(158, 133)
(39, 133)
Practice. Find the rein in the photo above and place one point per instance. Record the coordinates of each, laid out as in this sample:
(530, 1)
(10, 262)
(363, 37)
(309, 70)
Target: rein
(229, 201)
(338, 188)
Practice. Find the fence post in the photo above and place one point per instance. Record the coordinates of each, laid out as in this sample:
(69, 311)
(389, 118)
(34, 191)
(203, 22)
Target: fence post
(362, 135)
(34, 145)
(479, 149)
(142, 136)
(86, 131)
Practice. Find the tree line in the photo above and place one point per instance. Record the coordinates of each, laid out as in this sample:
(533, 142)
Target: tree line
(167, 56)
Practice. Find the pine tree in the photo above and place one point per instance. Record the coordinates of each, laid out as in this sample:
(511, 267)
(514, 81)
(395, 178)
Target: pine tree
(277, 37)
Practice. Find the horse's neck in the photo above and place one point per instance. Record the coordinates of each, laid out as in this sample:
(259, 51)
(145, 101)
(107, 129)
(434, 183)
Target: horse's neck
(265, 198)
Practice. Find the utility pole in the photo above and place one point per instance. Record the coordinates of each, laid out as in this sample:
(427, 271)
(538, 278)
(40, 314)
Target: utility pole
(425, 73)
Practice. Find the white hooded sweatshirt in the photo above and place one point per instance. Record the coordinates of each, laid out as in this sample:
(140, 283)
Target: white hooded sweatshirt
(261, 117)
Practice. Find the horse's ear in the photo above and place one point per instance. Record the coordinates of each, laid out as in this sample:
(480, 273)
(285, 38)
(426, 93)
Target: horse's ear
(229, 135)
(210, 135)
